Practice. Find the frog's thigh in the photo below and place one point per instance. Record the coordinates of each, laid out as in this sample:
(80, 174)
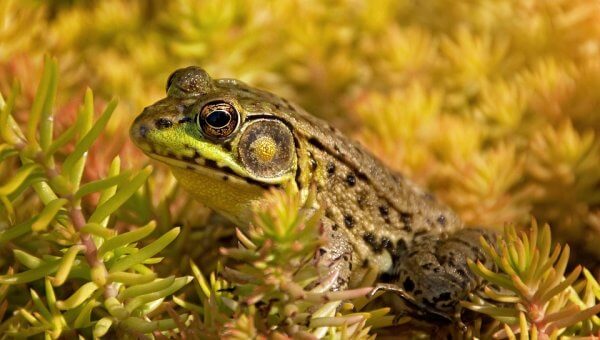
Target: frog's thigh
(435, 272)
(335, 254)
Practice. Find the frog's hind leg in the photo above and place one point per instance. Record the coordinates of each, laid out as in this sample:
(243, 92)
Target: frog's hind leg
(434, 275)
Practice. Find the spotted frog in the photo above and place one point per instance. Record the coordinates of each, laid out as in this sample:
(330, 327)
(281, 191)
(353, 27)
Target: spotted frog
(227, 143)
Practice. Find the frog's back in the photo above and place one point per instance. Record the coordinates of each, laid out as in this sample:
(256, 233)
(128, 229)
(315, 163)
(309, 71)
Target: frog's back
(380, 211)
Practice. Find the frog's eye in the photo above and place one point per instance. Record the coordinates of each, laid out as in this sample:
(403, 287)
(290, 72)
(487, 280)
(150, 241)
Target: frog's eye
(266, 148)
(218, 120)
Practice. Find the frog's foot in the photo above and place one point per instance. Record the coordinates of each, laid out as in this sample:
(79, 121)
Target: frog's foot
(434, 275)
(404, 304)
(334, 257)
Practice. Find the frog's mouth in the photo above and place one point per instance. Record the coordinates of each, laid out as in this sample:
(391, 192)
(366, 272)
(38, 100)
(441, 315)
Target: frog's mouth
(208, 168)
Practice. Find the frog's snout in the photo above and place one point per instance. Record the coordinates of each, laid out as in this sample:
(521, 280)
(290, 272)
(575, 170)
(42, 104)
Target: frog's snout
(139, 128)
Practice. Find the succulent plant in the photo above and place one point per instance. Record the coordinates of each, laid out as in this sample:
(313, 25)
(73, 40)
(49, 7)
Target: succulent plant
(495, 108)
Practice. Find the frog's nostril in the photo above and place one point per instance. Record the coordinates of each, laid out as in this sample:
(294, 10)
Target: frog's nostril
(143, 130)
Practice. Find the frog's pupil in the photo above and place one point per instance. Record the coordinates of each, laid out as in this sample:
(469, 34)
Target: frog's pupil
(218, 118)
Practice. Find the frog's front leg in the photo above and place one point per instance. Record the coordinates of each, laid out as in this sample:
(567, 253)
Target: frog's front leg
(335, 255)
(434, 275)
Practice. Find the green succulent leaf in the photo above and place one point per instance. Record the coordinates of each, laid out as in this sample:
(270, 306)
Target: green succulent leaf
(145, 253)
(126, 238)
(122, 195)
(30, 275)
(162, 290)
(86, 142)
(80, 296)
(48, 214)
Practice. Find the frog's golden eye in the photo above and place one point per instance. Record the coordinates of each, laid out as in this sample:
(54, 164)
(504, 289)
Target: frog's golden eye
(266, 148)
(218, 120)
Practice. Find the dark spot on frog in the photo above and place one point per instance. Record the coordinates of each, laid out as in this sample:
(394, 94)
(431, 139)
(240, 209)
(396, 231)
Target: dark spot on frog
(335, 227)
(361, 175)
(322, 251)
(163, 123)
(386, 243)
(370, 239)
(225, 177)
(188, 159)
(384, 211)
(388, 277)
(337, 149)
(405, 217)
(329, 215)
(351, 179)
(211, 164)
(375, 246)
(408, 284)
(442, 220)
(330, 168)
(401, 245)
(349, 221)
(442, 297)
(365, 263)
(398, 252)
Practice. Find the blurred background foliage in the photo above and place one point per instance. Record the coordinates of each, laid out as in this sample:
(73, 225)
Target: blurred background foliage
(492, 105)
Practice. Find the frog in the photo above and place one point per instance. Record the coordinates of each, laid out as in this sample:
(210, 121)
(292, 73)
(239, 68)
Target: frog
(227, 143)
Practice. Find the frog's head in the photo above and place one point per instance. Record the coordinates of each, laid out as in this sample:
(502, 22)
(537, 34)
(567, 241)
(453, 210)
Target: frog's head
(224, 141)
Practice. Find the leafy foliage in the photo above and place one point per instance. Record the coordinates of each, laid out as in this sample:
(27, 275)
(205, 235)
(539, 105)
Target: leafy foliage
(512, 85)
(531, 294)
(275, 289)
(505, 82)
(81, 276)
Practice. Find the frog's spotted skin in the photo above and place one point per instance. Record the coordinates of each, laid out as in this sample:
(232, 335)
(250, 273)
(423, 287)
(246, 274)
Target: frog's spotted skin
(227, 143)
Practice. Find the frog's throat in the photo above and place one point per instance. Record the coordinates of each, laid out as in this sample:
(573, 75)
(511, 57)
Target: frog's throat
(222, 190)
(230, 196)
